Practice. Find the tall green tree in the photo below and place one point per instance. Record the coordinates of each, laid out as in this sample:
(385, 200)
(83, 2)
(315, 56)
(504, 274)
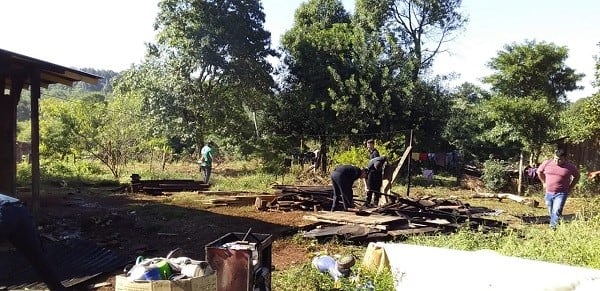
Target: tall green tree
(465, 127)
(418, 31)
(529, 122)
(210, 60)
(422, 27)
(318, 43)
(533, 69)
(581, 121)
(530, 82)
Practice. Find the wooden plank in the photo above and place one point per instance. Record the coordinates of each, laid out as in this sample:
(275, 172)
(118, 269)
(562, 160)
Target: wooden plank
(386, 186)
(413, 231)
(383, 222)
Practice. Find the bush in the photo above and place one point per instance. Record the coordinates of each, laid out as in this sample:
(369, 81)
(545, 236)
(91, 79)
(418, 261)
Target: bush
(587, 187)
(23, 173)
(494, 175)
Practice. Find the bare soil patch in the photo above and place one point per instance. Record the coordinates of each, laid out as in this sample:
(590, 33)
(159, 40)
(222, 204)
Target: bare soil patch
(152, 226)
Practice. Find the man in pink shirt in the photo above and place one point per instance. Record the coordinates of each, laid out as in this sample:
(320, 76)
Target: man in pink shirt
(559, 177)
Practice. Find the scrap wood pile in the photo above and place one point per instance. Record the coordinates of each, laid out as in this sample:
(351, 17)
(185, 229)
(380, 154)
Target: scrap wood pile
(158, 187)
(289, 197)
(233, 198)
(404, 216)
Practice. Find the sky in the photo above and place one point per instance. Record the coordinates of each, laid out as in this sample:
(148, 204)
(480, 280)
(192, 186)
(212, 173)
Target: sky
(111, 34)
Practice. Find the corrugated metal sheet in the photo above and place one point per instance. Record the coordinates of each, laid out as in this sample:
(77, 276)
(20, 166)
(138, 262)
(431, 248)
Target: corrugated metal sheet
(76, 260)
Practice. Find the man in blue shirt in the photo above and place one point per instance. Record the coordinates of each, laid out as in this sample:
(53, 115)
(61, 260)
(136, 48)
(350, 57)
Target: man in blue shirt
(17, 226)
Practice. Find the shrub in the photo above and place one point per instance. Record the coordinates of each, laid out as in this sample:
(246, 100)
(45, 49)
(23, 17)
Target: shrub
(494, 175)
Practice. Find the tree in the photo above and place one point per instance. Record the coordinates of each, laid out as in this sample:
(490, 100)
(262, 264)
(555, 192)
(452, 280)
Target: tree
(530, 84)
(422, 27)
(466, 126)
(581, 121)
(113, 132)
(533, 69)
(208, 68)
(529, 122)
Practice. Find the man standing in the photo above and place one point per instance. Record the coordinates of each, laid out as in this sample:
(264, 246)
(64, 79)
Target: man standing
(18, 227)
(373, 152)
(342, 179)
(374, 180)
(206, 158)
(559, 177)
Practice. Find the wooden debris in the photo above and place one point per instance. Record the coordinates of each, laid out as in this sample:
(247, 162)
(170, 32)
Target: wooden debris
(158, 187)
(523, 200)
(383, 222)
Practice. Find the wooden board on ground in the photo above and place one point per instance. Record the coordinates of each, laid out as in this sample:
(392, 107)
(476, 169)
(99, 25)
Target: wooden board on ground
(413, 231)
(237, 200)
(383, 222)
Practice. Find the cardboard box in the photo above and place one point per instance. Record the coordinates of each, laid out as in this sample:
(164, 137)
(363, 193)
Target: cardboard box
(205, 283)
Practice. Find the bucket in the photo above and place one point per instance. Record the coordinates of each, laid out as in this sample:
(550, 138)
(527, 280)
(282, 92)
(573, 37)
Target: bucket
(196, 270)
(152, 273)
(375, 258)
(164, 269)
(141, 272)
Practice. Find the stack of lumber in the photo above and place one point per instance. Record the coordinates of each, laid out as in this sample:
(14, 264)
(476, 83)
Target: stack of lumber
(157, 187)
(290, 197)
(234, 198)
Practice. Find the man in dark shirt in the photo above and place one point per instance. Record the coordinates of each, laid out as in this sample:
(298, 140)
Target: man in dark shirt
(373, 152)
(342, 179)
(374, 180)
(17, 226)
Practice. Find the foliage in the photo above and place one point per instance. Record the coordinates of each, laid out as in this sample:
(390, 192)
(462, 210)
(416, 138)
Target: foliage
(422, 27)
(587, 187)
(494, 175)
(108, 131)
(356, 74)
(466, 126)
(529, 122)
(66, 173)
(23, 173)
(307, 277)
(596, 81)
(533, 69)
(318, 43)
(355, 155)
(581, 121)
(207, 71)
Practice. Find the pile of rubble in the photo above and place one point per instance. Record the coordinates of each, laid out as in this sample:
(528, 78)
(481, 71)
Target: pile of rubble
(398, 218)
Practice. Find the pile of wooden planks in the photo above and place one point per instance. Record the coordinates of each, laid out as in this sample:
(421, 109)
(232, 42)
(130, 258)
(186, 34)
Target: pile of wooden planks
(233, 198)
(290, 197)
(158, 187)
(404, 216)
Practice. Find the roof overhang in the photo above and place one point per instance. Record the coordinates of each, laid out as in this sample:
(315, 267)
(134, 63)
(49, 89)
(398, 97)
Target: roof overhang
(15, 66)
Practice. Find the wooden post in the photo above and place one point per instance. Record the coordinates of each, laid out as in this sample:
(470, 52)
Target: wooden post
(520, 181)
(35, 141)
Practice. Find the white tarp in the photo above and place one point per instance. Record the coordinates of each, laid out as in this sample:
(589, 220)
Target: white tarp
(418, 268)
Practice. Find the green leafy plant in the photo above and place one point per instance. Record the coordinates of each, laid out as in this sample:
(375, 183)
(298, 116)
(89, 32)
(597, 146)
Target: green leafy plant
(494, 175)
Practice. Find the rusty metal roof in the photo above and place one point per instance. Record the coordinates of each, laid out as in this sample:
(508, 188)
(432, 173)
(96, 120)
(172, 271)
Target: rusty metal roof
(76, 260)
(16, 65)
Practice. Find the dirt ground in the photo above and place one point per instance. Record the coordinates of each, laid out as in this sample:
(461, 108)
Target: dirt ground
(139, 224)
(152, 226)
